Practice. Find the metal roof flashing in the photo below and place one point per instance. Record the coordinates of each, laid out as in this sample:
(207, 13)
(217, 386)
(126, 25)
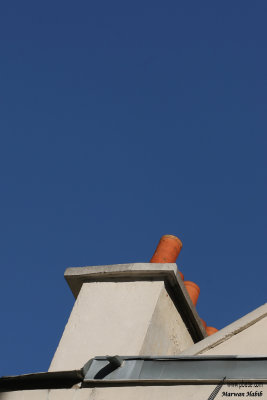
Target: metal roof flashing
(175, 370)
(147, 371)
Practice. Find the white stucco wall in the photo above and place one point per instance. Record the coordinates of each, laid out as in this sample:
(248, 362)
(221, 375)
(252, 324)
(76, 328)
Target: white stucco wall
(182, 392)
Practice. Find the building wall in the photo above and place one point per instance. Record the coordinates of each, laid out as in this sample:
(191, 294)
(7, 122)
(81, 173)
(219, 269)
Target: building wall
(246, 336)
(251, 341)
(181, 392)
(126, 318)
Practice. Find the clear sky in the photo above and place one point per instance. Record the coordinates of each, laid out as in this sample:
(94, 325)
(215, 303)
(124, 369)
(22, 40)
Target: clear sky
(121, 121)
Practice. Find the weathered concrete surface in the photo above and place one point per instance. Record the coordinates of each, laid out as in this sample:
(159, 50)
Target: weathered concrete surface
(127, 318)
(120, 272)
(246, 336)
(167, 333)
(181, 392)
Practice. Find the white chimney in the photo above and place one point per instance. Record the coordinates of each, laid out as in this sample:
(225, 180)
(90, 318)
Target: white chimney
(127, 309)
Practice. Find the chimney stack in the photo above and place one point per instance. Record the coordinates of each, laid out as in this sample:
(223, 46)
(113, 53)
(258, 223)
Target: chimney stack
(129, 309)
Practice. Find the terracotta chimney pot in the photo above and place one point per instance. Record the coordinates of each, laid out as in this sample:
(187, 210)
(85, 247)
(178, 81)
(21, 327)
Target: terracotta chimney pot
(211, 330)
(181, 275)
(204, 323)
(193, 291)
(167, 250)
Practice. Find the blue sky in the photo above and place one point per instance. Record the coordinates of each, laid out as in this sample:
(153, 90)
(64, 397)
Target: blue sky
(120, 122)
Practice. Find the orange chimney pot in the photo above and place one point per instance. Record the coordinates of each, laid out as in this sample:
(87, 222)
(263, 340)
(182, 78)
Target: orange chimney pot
(211, 330)
(181, 275)
(203, 323)
(167, 250)
(193, 291)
